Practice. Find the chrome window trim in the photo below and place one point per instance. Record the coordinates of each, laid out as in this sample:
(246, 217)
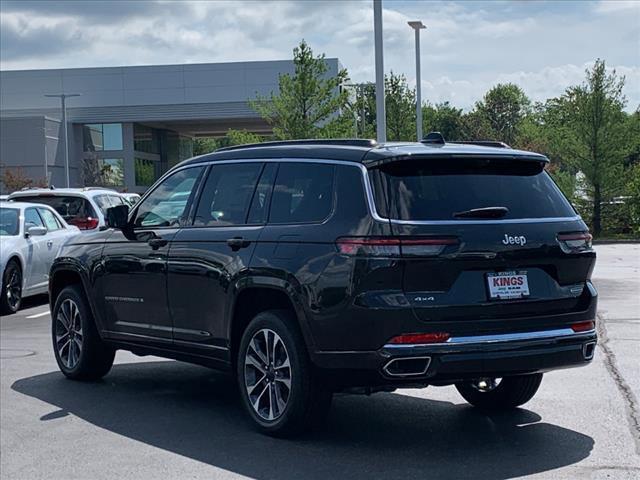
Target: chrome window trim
(497, 338)
(369, 193)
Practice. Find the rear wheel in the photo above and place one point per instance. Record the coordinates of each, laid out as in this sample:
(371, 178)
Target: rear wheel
(279, 388)
(11, 288)
(500, 393)
(80, 352)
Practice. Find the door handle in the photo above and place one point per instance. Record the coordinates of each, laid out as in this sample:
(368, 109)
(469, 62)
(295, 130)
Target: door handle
(236, 243)
(156, 243)
(49, 243)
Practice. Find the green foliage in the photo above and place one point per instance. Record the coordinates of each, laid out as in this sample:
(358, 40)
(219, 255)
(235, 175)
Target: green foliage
(309, 102)
(587, 128)
(400, 106)
(443, 118)
(241, 137)
(204, 145)
(502, 110)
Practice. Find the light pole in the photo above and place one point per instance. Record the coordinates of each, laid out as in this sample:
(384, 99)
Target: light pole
(381, 119)
(63, 97)
(417, 26)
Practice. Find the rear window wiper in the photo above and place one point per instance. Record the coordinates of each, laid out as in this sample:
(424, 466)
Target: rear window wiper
(485, 212)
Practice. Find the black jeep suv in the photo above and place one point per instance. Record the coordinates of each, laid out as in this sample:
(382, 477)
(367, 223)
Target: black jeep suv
(312, 267)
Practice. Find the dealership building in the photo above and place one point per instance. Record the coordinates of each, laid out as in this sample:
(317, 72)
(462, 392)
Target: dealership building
(127, 125)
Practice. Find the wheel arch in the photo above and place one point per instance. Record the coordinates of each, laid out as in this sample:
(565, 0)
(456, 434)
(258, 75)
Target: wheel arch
(255, 298)
(64, 273)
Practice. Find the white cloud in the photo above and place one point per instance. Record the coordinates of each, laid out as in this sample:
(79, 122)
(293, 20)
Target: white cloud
(467, 47)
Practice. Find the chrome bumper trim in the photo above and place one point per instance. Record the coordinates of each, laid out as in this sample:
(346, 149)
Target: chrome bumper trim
(497, 338)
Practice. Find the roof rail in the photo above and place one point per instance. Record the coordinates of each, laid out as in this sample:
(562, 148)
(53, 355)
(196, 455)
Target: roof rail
(484, 143)
(345, 142)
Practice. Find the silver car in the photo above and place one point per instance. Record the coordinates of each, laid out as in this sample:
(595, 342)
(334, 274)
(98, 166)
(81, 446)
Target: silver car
(30, 237)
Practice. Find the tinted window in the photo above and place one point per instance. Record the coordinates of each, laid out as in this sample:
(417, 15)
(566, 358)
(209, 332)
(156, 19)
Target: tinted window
(166, 205)
(262, 196)
(50, 220)
(303, 193)
(70, 208)
(107, 201)
(32, 218)
(437, 190)
(227, 193)
(9, 221)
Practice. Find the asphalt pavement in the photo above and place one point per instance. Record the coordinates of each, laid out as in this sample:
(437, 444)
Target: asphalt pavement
(156, 419)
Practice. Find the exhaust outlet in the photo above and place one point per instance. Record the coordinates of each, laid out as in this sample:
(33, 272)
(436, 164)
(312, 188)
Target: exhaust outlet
(407, 366)
(589, 350)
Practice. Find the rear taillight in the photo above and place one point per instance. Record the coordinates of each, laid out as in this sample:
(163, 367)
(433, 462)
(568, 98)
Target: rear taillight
(84, 223)
(419, 338)
(576, 242)
(583, 326)
(393, 246)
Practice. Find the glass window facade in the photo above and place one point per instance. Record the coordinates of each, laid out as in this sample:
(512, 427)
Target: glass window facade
(98, 137)
(104, 172)
(145, 139)
(146, 171)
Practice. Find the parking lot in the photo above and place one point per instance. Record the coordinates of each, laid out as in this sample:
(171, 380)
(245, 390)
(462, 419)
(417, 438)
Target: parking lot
(152, 418)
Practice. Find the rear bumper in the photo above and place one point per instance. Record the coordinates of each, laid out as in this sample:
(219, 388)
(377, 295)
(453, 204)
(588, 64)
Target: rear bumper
(462, 358)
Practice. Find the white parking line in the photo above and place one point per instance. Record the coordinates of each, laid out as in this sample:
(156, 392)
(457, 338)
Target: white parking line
(37, 315)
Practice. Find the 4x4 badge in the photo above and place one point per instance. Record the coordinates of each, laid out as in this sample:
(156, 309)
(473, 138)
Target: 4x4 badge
(517, 240)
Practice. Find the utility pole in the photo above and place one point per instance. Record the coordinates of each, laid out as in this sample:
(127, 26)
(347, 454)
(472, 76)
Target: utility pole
(63, 98)
(381, 119)
(417, 26)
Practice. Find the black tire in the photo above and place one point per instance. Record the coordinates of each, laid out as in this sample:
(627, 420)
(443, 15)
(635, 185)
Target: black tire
(93, 358)
(307, 401)
(510, 393)
(11, 288)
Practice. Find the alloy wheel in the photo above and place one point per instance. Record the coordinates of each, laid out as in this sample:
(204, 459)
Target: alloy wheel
(267, 374)
(69, 333)
(13, 289)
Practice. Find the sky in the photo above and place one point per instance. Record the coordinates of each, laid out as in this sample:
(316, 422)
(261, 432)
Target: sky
(468, 46)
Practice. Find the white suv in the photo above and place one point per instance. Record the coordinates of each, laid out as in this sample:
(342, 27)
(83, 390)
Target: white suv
(83, 207)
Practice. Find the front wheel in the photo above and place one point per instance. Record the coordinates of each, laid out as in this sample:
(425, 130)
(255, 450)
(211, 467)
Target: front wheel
(11, 288)
(80, 352)
(500, 393)
(280, 390)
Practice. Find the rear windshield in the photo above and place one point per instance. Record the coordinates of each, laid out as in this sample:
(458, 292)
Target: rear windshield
(69, 207)
(443, 189)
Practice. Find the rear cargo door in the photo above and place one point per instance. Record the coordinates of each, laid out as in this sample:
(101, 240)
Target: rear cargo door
(496, 231)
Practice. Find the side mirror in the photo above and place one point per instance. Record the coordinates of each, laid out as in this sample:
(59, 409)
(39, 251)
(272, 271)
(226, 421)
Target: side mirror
(118, 216)
(36, 231)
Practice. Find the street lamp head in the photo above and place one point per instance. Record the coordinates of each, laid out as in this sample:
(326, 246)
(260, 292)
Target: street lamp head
(62, 95)
(416, 25)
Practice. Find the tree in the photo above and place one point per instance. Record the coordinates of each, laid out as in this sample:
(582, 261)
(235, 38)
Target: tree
(400, 106)
(14, 179)
(309, 103)
(242, 137)
(588, 121)
(202, 145)
(443, 118)
(503, 108)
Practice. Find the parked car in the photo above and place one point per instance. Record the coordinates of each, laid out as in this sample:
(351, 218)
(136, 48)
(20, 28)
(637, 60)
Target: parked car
(83, 207)
(30, 237)
(311, 267)
(131, 198)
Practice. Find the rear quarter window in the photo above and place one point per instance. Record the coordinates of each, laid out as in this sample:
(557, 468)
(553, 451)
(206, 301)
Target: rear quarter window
(438, 189)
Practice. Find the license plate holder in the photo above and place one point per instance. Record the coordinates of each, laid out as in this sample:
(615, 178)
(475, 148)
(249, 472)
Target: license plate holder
(512, 285)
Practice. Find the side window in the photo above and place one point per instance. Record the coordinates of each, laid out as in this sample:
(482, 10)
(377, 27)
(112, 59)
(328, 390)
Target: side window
(227, 193)
(303, 193)
(166, 205)
(31, 218)
(50, 220)
(260, 204)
